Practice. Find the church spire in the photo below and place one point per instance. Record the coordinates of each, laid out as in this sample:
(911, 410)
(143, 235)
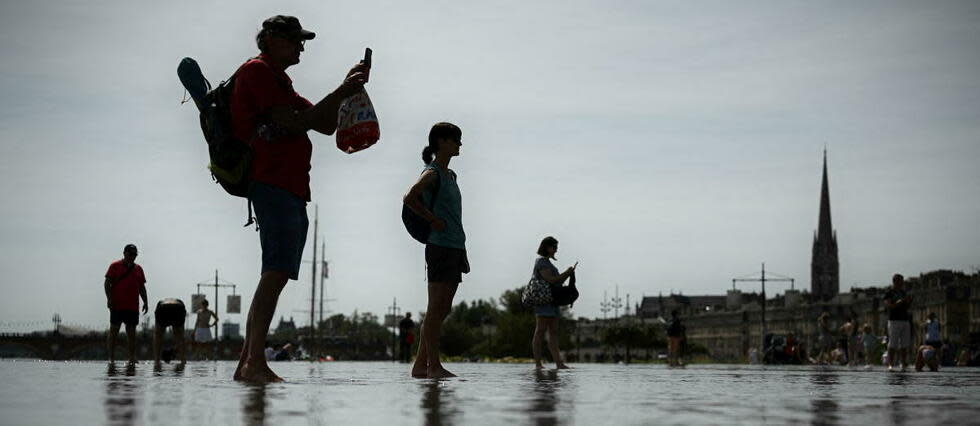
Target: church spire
(824, 267)
(825, 229)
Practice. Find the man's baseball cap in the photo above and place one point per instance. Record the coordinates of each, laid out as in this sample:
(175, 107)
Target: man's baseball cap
(287, 26)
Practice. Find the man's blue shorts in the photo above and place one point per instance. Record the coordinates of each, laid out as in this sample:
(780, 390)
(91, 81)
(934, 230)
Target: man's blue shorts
(283, 224)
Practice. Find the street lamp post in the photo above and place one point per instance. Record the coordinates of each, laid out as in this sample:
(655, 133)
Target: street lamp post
(762, 279)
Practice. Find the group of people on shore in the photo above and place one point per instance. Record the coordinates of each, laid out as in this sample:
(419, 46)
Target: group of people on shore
(851, 344)
(125, 287)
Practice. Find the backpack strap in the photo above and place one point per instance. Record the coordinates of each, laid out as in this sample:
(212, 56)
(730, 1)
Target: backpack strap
(124, 275)
(435, 189)
(251, 217)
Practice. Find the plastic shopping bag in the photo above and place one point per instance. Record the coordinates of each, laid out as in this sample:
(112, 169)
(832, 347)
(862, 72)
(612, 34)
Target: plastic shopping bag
(357, 124)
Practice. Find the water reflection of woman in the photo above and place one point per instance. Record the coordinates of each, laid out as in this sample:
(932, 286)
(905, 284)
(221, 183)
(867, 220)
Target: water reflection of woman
(434, 407)
(544, 406)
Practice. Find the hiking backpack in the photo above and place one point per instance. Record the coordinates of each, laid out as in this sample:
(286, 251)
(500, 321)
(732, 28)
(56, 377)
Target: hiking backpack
(230, 157)
(416, 225)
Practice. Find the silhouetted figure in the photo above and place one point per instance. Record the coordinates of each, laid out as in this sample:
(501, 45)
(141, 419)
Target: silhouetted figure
(847, 331)
(826, 342)
(202, 327)
(868, 341)
(927, 355)
(285, 354)
(125, 285)
(169, 313)
(933, 335)
(675, 337)
(406, 337)
(274, 120)
(445, 251)
(897, 301)
(546, 316)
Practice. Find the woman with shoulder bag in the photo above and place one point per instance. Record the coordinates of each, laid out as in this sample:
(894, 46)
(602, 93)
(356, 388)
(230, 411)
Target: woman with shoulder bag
(546, 316)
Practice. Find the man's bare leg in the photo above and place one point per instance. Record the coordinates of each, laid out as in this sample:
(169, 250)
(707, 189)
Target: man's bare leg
(179, 345)
(263, 308)
(157, 337)
(113, 332)
(440, 302)
(131, 342)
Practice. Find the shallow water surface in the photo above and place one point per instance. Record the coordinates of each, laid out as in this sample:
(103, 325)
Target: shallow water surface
(355, 393)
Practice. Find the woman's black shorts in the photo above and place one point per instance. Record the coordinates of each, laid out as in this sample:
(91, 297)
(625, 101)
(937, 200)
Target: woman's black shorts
(446, 265)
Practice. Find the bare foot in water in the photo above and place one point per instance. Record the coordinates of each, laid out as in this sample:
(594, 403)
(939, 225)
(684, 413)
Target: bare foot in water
(538, 367)
(259, 375)
(562, 366)
(439, 373)
(420, 372)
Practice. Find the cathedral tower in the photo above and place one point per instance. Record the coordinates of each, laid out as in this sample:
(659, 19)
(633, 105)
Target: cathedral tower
(824, 268)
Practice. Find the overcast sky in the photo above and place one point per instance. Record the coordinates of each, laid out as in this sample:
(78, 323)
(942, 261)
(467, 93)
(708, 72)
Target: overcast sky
(668, 146)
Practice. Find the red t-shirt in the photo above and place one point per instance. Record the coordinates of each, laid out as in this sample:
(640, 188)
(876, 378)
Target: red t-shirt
(125, 292)
(283, 161)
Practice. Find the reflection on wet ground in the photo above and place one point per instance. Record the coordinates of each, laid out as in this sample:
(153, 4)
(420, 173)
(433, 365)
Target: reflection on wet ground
(514, 394)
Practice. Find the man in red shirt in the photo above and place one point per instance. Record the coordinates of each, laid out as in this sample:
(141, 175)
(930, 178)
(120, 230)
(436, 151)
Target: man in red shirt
(274, 119)
(125, 284)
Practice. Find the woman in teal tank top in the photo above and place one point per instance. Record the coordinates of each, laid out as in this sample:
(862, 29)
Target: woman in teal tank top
(436, 198)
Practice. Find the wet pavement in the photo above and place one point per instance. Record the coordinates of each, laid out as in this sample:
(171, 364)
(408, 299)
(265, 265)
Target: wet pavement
(355, 393)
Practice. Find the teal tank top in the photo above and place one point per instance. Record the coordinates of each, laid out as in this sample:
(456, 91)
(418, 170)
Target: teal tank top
(449, 208)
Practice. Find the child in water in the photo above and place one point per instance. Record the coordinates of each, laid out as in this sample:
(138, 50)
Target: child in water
(868, 342)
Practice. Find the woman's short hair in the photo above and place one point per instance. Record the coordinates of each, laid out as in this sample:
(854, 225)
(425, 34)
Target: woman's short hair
(547, 242)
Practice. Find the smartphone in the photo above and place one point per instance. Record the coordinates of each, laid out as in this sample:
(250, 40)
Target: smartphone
(367, 57)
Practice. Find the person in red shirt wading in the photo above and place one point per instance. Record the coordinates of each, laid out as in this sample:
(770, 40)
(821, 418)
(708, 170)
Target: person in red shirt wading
(274, 119)
(125, 284)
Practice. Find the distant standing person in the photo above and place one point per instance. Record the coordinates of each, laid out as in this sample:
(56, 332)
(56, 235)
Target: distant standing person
(826, 344)
(846, 342)
(869, 341)
(445, 251)
(203, 324)
(933, 335)
(267, 113)
(546, 316)
(675, 336)
(169, 313)
(406, 336)
(125, 285)
(898, 302)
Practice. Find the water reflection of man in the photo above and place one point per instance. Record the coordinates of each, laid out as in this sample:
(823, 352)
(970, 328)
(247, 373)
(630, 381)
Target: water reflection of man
(122, 394)
(254, 406)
